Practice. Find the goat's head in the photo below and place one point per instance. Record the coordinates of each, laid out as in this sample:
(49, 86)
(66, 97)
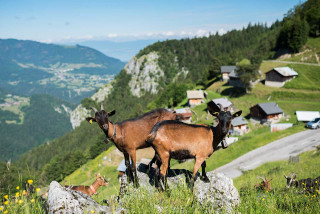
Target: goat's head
(101, 180)
(102, 117)
(265, 184)
(290, 179)
(223, 114)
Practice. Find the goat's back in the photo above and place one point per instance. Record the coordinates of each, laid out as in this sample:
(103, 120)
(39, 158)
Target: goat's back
(136, 130)
(177, 136)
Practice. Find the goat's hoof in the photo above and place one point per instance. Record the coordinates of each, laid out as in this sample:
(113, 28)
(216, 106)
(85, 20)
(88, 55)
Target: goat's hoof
(205, 179)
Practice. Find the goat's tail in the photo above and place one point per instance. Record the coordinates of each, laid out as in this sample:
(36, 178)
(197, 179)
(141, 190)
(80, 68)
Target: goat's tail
(152, 135)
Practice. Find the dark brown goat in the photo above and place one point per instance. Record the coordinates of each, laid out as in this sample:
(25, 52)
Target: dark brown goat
(174, 139)
(264, 184)
(92, 189)
(309, 184)
(130, 135)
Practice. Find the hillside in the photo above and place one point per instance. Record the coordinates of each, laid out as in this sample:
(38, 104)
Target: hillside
(161, 73)
(26, 122)
(67, 72)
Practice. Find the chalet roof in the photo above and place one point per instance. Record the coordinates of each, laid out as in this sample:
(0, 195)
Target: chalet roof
(270, 108)
(197, 94)
(223, 101)
(307, 115)
(185, 111)
(238, 121)
(228, 68)
(286, 71)
(233, 74)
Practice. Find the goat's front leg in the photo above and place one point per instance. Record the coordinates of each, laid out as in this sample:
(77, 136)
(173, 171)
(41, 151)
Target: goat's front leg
(196, 167)
(134, 167)
(164, 166)
(127, 162)
(204, 176)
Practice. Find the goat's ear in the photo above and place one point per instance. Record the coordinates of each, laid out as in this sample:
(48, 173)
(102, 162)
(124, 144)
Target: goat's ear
(294, 176)
(237, 114)
(213, 108)
(285, 176)
(111, 113)
(91, 119)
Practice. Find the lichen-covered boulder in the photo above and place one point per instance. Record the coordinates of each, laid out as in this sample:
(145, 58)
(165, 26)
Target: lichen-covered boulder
(65, 200)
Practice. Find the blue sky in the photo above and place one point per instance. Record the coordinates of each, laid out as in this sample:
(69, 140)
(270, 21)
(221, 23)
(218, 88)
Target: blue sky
(127, 20)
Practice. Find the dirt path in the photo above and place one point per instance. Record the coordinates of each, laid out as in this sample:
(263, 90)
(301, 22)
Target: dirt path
(302, 63)
(275, 151)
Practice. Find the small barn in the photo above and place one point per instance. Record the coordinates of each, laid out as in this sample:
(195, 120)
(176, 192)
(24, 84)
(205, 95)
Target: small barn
(239, 126)
(234, 80)
(223, 101)
(195, 97)
(266, 112)
(277, 77)
(226, 70)
(186, 113)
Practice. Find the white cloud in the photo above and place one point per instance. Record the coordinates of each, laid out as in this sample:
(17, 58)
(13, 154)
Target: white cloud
(112, 35)
(221, 31)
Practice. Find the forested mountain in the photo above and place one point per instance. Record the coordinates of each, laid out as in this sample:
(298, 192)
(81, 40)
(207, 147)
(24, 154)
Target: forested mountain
(43, 118)
(67, 72)
(159, 76)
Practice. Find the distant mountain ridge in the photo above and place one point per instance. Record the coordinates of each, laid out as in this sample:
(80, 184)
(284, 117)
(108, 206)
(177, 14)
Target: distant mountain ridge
(70, 73)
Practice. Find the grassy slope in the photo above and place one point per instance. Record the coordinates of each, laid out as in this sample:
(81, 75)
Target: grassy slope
(280, 200)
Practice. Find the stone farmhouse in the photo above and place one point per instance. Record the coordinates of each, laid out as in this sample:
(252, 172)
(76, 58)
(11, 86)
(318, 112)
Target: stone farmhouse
(266, 112)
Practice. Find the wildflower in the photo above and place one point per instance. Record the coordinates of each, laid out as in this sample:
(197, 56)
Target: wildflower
(17, 194)
(92, 211)
(6, 197)
(20, 201)
(30, 182)
(32, 200)
(304, 188)
(6, 202)
(17, 187)
(316, 181)
(38, 189)
(24, 192)
(6, 211)
(1, 208)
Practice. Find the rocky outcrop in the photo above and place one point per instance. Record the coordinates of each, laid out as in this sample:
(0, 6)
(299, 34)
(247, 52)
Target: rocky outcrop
(64, 200)
(80, 113)
(219, 194)
(145, 73)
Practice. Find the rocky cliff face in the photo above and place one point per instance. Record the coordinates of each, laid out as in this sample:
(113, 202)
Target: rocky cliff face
(145, 73)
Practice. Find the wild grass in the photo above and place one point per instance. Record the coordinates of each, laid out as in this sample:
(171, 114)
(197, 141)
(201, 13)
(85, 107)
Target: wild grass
(22, 201)
(280, 199)
(308, 78)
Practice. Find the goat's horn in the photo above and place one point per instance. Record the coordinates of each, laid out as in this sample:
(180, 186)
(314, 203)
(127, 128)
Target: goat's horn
(229, 108)
(220, 106)
(94, 109)
(102, 107)
(261, 178)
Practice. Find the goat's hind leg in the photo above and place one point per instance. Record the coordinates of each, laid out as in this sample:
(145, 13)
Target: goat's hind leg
(127, 162)
(204, 176)
(134, 167)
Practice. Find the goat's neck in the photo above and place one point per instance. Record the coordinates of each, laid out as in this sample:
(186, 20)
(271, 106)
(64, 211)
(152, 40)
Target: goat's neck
(95, 185)
(109, 133)
(217, 135)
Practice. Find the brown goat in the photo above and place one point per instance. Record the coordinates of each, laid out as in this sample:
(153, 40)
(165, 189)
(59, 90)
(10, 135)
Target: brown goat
(264, 184)
(174, 139)
(92, 189)
(130, 135)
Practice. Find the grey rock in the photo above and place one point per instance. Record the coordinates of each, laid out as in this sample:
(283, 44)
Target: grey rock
(219, 194)
(65, 200)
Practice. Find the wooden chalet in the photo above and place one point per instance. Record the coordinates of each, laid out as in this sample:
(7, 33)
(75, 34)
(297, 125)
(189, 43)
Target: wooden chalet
(223, 101)
(277, 77)
(266, 112)
(195, 97)
(239, 126)
(226, 70)
(234, 80)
